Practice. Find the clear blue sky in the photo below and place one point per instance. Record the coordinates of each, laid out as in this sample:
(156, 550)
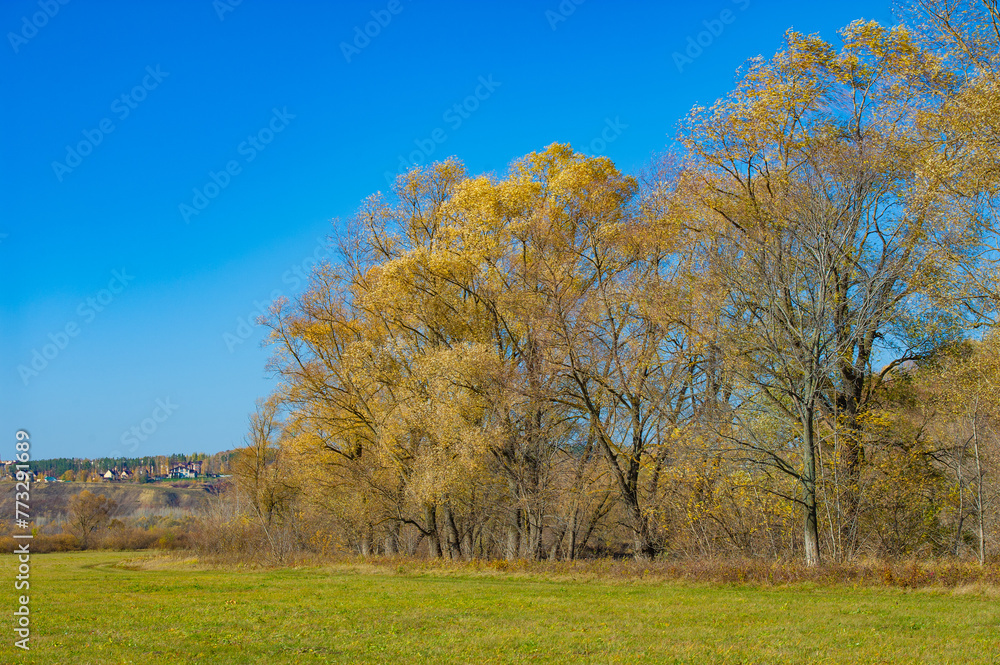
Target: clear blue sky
(189, 88)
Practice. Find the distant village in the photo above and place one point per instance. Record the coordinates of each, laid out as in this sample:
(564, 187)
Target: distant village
(180, 471)
(138, 470)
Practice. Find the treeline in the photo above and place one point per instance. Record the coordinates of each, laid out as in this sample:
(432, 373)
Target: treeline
(91, 470)
(775, 342)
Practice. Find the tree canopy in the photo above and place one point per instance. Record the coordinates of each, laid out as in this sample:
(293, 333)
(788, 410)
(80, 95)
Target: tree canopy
(785, 320)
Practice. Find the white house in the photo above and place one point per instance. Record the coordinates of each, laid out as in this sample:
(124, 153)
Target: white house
(188, 470)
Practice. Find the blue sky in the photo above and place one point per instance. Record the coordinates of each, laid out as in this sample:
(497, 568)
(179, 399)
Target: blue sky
(168, 168)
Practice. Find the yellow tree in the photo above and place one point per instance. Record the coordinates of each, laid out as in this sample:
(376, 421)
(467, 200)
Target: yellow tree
(965, 34)
(589, 280)
(501, 255)
(368, 354)
(957, 407)
(527, 319)
(807, 181)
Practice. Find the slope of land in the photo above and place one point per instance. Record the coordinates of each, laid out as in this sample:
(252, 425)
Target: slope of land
(48, 500)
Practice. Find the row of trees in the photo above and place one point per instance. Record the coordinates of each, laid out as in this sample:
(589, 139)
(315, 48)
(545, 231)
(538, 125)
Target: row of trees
(775, 341)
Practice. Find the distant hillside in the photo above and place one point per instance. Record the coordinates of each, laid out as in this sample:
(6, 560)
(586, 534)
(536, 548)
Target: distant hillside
(48, 500)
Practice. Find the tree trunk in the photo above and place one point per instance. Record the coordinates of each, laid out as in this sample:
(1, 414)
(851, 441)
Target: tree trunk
(366, 543)
(961, 503)
(468, 552)
(557, 541)
(642, 542)
(392, 539)
(414, 545)
(851, 460)
(628, 487)
(811, 534)
(452, 545)
(430, 517)
(602, 509)
(979, 485)
(534, 539)
(514, 536)
(571, 547)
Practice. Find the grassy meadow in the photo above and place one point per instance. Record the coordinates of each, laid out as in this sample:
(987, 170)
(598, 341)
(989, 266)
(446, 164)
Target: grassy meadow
(108, 607)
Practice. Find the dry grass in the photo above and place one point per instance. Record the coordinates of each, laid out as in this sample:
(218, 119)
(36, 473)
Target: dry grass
(959, 576)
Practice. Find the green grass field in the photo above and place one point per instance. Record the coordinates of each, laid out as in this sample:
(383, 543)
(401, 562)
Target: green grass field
(87, 609)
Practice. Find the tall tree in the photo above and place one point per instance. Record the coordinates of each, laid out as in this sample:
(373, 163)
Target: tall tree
(818, 223)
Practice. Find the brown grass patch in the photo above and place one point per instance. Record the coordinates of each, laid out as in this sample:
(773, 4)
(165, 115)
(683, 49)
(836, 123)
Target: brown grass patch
(962, 578)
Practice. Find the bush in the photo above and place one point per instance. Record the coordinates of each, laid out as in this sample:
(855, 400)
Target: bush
(42, 543)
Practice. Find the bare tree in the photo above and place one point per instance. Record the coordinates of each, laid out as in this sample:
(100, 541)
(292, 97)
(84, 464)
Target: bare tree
(263, 479)
(88, 513)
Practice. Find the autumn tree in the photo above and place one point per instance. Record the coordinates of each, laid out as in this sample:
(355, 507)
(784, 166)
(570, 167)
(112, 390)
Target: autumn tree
(955, 413)
(512, 253)
(88, 513)
(620, 317)
(499, 365)
(368, 354)
(819, 222)
(264, 479)
(491, 317)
